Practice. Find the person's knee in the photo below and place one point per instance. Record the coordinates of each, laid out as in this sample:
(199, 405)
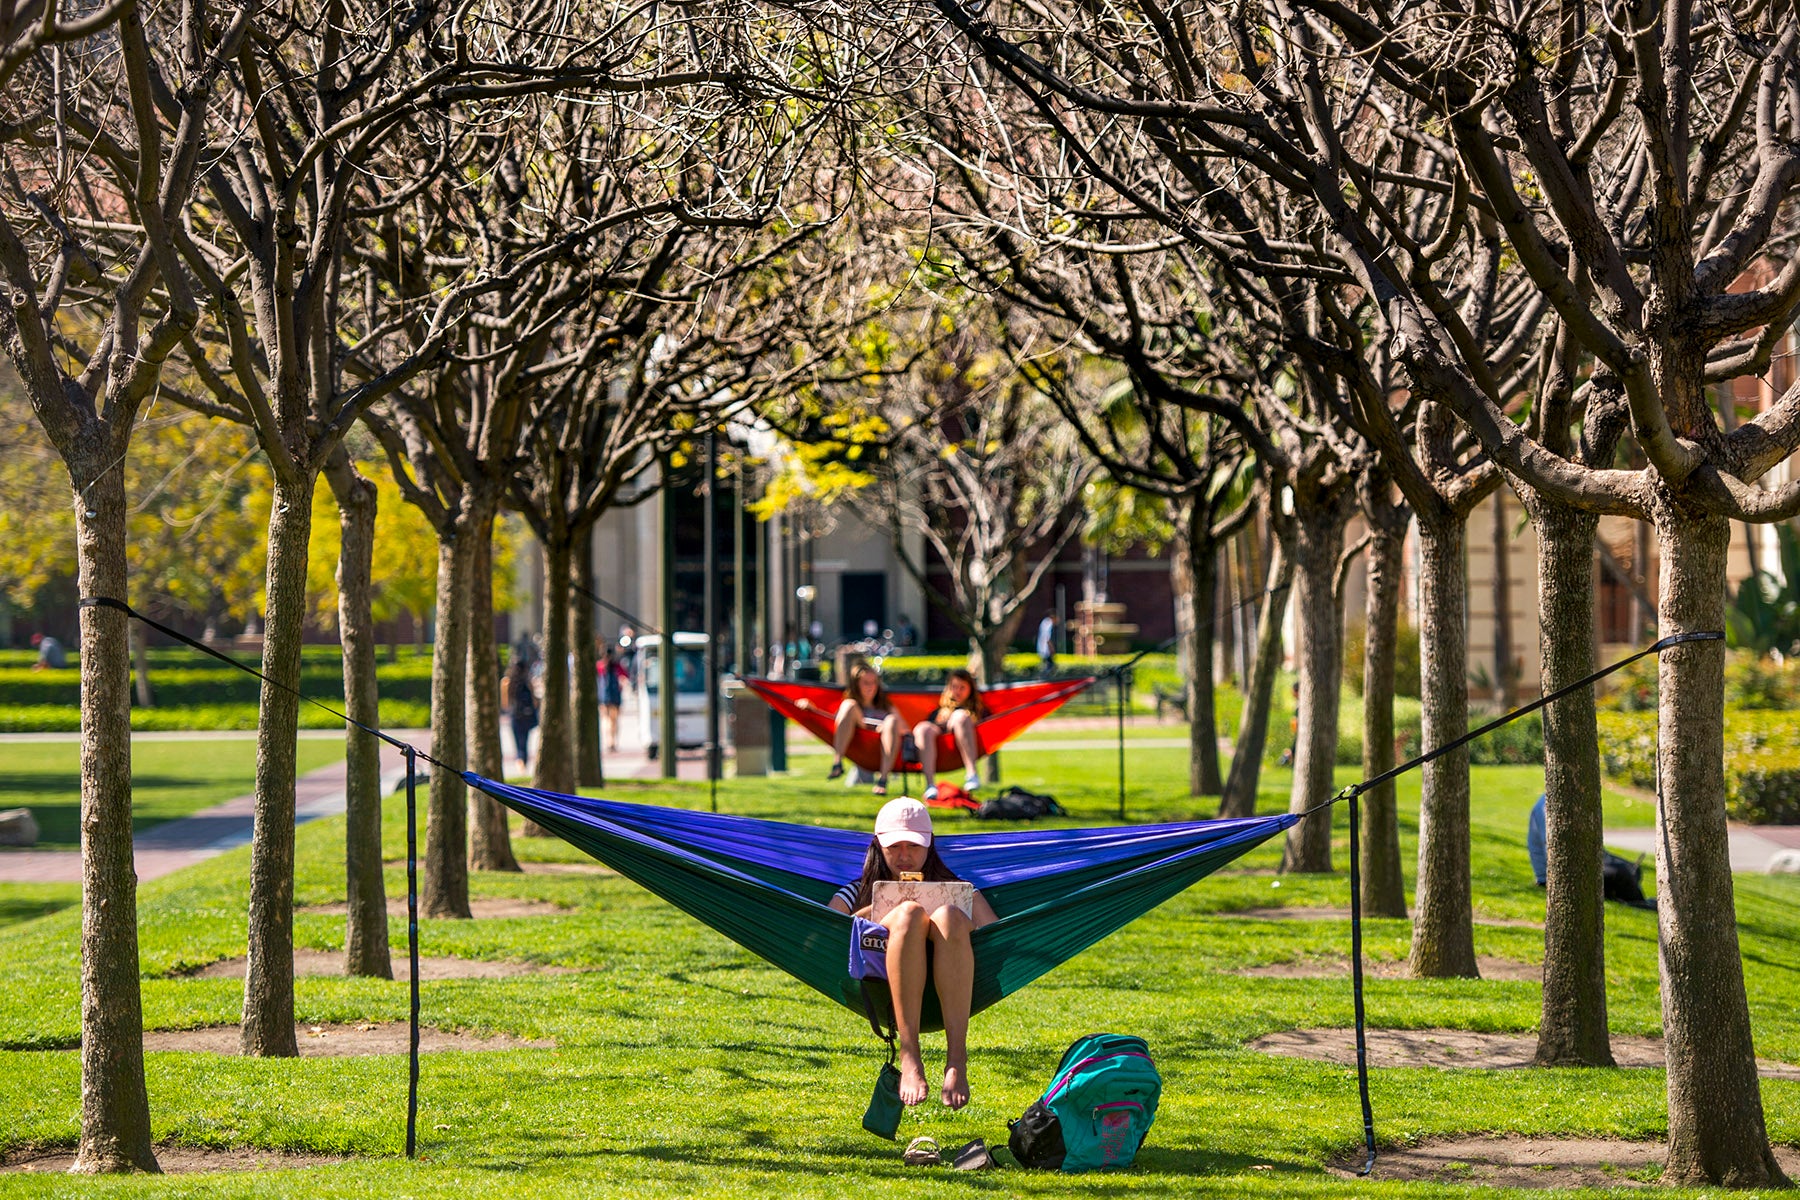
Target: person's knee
(848, 711)
(960, 720)
(925, 733)
(904, 918)
(951, 923)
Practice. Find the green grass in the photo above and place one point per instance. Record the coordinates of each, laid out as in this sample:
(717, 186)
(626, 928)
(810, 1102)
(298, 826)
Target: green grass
(684, 1066)
(169, 780)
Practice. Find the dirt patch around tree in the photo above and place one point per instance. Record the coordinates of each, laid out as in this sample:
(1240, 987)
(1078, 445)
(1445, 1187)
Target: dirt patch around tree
(537, 868)
(1334, 913)
(319, 963)
(1459, 1048)
(174, 1160)
(566, 868)
(1526, 1162)
(340, 1041)
(1338, 967)
(480, 908)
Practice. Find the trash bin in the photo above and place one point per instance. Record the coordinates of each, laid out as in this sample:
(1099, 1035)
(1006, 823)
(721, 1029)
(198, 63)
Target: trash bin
(750, 732)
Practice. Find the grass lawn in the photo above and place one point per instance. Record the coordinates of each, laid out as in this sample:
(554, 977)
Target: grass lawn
(684, 1066)
(169, 780)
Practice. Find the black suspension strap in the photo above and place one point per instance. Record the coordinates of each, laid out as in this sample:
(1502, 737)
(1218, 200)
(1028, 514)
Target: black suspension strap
(413, 754)
(1352, 792)
(1675, 639)
(610, 607)
(184, 639)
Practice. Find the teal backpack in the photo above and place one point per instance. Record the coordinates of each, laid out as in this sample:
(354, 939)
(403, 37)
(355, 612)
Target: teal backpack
(1097, 1109)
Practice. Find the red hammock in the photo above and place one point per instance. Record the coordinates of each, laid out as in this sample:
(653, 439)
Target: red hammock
(1011, 708)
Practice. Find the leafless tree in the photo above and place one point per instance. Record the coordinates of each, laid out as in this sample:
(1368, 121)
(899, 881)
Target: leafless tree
(718, 319)
(100, 163)
(1658, 144)
(1175, 429)
(949, 440)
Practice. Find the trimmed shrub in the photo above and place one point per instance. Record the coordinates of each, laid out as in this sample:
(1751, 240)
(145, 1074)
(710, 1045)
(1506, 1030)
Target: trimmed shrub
(1762, 760)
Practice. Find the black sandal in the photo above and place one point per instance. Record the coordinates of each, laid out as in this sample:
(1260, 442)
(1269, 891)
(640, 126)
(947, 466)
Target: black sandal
(974, 1157)
(837, 770)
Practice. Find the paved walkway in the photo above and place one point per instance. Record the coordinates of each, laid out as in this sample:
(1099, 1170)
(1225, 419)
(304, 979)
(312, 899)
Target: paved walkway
(182, 842)
(172, 845)
(1751, 846)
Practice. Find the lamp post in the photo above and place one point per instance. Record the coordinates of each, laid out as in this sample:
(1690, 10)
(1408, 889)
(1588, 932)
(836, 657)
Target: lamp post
(806, 593)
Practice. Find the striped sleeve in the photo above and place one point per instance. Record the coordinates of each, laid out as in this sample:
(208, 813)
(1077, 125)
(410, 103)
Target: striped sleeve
(847, 894)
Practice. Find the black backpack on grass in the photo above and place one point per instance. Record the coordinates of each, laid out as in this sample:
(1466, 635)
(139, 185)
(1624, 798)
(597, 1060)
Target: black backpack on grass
(1017, 804)
(1623, 880)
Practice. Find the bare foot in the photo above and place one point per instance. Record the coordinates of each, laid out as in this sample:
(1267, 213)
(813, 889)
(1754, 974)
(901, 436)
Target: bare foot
(912, 1080)
(956, 1087)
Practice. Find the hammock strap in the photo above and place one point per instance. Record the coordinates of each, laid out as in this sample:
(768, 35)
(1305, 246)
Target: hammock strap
(1675, 639)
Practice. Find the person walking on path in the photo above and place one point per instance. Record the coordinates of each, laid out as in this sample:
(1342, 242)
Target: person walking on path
(612, 694)
(520, 700)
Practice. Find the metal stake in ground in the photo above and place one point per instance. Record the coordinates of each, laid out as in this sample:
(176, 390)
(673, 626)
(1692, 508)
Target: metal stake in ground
(412, 949)
(1119, 685)
(1356, 988)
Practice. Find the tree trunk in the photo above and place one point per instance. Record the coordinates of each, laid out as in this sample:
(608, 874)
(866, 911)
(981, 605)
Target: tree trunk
(140, 664)
(366, 923)
(1572, 1031)
(446, 891)
(115, 1108)
(987, 660)
(1383, 887)
(1197, 584)
(1506, 683)
(1716, 1129)
(587, 682)
(268, 1027)
(556, 764)
(1259, 695)
(1443, 942)
(490, 842)
(1318, 541)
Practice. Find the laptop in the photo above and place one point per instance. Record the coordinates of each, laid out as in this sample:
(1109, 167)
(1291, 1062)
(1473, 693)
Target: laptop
(889, 894)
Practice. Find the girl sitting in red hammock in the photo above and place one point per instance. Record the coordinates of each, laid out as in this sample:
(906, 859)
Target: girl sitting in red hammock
(867, 706)
(957, 711)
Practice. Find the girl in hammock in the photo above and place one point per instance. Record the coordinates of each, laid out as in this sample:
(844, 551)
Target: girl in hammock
(867, 706)
(957, 711)
(921, 944)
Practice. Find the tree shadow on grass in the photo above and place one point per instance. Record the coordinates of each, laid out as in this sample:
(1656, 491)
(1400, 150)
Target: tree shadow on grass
(756, 1149)
(14, 909)
(59, 822)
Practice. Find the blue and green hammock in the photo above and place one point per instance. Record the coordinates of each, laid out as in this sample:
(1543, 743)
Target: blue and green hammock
(764, 884)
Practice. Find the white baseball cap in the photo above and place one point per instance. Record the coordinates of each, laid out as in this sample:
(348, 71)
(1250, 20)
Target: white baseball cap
(903, 820)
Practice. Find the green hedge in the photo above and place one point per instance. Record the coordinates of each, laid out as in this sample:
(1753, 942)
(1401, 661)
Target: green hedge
(66, 718)
(1762, 760)
(1751, 684)
(198, 686)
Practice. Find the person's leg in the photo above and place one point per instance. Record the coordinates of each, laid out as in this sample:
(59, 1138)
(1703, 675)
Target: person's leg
(908, 932)
(962, 728)
(953, 970)
(891, 736)
(925, 736)
(849, 720)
